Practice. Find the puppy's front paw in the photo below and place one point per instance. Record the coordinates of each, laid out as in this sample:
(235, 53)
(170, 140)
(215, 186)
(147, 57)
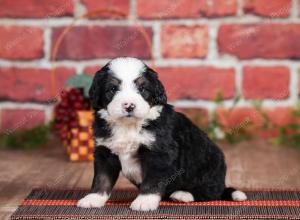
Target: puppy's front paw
(93, 200)
(148, 202)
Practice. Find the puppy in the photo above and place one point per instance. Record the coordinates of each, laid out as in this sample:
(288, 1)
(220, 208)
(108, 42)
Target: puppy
(158, 149)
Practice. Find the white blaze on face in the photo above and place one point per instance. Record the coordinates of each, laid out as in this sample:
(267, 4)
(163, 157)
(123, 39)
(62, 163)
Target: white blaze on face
(127, 70)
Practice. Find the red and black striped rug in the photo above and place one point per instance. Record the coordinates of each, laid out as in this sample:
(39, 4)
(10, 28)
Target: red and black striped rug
(61, 204)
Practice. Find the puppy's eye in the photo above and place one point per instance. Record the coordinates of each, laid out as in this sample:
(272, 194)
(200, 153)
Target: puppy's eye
(141, 89)
(113, 89)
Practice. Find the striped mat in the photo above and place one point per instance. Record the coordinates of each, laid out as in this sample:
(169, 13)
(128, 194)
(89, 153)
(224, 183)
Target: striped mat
(61, 204)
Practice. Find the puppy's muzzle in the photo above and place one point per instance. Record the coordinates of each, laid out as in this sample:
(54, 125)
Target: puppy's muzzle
(128, 107)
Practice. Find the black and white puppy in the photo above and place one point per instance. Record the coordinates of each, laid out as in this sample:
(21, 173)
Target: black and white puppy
(159, 150)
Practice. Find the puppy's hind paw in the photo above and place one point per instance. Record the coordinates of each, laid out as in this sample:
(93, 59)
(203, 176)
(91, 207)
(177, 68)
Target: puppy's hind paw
(182, 196)
(148, 202)
(238, 196)
(93, 200)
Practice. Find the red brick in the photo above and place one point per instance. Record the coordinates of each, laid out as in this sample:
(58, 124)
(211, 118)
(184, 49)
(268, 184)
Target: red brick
(153, 9)
(266, 82)
(248, 41)
(197, 82)
(15, 40)
(15, 119)
(180, 41)
(268, 8)
(91, 42)
(280, 115)
(168, 9)
(36, 9)
(120, 6)
(239, 118)
(251, 120)
(91, 70)
(218, 8)
(299, 82)
(31, 84)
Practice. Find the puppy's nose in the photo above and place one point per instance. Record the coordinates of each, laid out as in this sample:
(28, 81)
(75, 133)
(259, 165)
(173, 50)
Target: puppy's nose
(129, 107)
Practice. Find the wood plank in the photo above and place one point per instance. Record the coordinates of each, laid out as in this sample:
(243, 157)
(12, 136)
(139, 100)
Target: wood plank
(254, 164)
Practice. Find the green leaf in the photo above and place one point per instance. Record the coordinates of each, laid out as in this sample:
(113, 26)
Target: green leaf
(295, 113)
(219, 98)
(283, 131)
(295, 140)
(27, 139)
(257, 104)
(293, 126)
(236, 99)
(277, 141)
(81, 81)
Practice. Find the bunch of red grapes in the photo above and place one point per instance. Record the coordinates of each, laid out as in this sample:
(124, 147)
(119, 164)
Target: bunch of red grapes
(72, 100)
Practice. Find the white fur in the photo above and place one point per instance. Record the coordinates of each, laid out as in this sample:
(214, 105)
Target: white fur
(128, 94)
(126, 137)
(127, 133)
(238, 196)
(131, 167)
(127, 70)
(148, 202)
(182, 196)
(93, 200)
(154, 113)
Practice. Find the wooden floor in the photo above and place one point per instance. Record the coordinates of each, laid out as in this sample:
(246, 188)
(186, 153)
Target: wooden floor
(253, 164)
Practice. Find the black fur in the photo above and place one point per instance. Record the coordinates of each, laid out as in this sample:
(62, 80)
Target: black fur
(181, 158)
(106, 170)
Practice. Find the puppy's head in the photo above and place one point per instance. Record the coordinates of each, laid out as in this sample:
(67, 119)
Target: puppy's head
(126, 88)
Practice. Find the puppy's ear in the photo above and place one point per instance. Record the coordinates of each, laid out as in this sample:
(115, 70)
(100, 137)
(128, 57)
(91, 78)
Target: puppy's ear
(159, 96)
(96, 89)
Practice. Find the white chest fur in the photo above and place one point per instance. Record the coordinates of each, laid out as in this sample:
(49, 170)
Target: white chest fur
(131, 167)
(124, 142)
(126, 138)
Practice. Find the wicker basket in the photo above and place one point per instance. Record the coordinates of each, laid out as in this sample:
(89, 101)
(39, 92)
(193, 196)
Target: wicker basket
(80, 143)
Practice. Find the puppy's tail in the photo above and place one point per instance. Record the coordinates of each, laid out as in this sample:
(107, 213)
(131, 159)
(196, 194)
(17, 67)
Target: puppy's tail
(233, 194)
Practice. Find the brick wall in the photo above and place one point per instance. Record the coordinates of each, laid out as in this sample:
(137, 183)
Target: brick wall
(200, 47)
